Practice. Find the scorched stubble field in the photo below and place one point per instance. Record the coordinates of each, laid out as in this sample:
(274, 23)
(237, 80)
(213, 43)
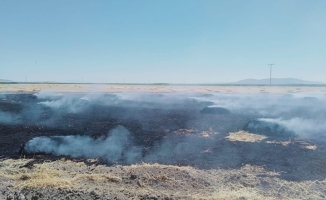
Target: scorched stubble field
(132, 145)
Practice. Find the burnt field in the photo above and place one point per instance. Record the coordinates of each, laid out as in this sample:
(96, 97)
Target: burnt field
(204, 131)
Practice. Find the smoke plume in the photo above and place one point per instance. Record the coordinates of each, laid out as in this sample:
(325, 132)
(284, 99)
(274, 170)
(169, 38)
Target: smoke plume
(116, 146)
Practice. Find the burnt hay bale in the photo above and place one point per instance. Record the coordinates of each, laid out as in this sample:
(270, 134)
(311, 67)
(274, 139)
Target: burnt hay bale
(215, 111)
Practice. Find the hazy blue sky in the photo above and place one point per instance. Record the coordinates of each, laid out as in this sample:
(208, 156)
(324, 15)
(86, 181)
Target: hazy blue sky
(176, 41)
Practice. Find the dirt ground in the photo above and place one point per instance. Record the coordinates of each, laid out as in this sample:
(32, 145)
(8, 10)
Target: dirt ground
(228, 163)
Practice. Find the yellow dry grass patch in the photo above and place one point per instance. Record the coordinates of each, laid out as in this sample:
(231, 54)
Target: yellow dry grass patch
(43, 175)
(248, 182)
(303, 144)
(244, 136)
(307, 145)
(209, 133)
(241, 193)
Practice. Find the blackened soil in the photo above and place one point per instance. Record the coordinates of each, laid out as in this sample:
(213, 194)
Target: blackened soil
(150, 124)
(147, 123)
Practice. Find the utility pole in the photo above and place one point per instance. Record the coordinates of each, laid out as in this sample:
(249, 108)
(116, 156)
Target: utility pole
(270, 73)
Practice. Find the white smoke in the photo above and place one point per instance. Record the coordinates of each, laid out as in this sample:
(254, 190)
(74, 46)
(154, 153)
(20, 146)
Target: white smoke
(9, 118)
(68, 102)
(305, 128)
(301, 113)
(112, 148)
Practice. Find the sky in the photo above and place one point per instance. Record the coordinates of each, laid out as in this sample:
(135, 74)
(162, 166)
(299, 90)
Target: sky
(162, 41)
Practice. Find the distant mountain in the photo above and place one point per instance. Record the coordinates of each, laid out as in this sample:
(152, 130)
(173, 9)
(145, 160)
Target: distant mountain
(4, 81)
(277, 81)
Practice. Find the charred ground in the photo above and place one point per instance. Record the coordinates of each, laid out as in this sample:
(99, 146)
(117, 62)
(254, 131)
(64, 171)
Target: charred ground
(189, 136)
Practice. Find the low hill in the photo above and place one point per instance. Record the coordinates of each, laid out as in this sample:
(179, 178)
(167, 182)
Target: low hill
(277, 81)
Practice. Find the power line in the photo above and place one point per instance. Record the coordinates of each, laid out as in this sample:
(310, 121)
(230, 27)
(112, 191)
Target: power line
(270, 73)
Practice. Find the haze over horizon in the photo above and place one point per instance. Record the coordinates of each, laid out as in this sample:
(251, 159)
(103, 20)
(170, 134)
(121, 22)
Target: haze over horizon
(162, 41)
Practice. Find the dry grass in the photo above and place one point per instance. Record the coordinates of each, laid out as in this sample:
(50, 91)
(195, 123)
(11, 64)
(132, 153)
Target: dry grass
(209, 133)
(248, 182)
(244, 136)
(241, 193)
(44, 175)
(302, 144)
